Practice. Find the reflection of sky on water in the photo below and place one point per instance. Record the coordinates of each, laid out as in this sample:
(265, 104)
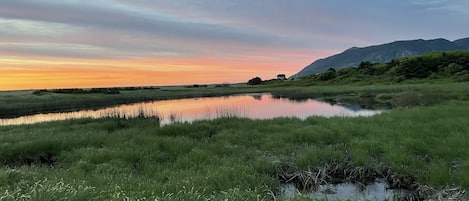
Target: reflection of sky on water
(256, 106)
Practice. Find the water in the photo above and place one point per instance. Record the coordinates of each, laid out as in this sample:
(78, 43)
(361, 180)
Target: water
(255, 106)
(375, 191)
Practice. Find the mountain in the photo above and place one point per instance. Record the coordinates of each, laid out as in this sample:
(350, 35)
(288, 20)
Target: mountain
(464, 43)
(382, 53)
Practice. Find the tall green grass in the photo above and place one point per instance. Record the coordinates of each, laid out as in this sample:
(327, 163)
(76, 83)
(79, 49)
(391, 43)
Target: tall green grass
(229, 158)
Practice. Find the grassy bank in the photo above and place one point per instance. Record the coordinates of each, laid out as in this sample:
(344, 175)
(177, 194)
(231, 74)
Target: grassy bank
(16, 103)
(232, 158)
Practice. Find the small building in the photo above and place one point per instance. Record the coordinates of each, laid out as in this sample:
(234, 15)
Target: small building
(281, 77)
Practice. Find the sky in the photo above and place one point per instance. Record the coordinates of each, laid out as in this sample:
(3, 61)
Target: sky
(105, 43)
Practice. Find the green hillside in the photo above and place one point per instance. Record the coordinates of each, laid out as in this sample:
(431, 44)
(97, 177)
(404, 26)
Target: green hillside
(382, 53)
(452, 65)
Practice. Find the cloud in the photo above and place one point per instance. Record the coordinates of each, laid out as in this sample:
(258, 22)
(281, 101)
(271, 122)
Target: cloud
(116, 19)
(449, 7)
(34, 28)
(125, 29)
(191, 27)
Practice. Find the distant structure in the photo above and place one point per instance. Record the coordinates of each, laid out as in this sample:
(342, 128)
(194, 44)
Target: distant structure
(281, 77)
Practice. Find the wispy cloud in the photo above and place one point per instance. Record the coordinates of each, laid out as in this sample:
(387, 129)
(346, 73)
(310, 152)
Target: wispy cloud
(452, 7)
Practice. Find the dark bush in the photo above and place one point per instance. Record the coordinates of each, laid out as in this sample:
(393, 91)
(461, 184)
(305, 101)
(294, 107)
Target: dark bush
(328, 75)
(255, 81)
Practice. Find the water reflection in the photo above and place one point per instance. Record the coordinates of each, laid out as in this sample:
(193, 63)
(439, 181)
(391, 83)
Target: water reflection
(257, 96)
(256, 106)
(378, 191)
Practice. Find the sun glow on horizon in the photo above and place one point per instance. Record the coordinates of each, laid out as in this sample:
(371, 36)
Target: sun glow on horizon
(20, 73)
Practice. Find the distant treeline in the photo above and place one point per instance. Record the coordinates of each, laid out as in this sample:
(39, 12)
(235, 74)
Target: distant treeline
(206, 85)
(114, 90)
(436, 65)
(196, 86)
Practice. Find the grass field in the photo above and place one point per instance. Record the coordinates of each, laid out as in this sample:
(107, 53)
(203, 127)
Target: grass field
(235, 158)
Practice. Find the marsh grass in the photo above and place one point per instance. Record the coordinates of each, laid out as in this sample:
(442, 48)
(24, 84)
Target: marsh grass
(377, 96)
(229, 158)
(415, 98)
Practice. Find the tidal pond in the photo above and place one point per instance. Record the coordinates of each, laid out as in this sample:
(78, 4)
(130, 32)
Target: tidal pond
(255, 106)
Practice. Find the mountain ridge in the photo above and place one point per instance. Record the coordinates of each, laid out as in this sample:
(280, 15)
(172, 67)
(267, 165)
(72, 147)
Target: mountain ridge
(382, 53)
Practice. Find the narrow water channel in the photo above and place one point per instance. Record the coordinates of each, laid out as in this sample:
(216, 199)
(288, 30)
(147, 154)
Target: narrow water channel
(255, 106)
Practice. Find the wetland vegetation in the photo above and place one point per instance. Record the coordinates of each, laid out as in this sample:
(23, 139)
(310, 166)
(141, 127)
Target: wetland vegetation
(233, 158)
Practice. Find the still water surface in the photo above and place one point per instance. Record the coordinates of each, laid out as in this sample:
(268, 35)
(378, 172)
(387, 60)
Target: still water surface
(375, 191)
(255, 106)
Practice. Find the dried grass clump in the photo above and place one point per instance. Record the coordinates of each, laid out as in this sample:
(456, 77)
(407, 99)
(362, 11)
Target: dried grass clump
(335, 172)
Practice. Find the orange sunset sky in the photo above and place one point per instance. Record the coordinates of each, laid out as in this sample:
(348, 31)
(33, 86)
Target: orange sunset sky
(31, 72)
(105, 43)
